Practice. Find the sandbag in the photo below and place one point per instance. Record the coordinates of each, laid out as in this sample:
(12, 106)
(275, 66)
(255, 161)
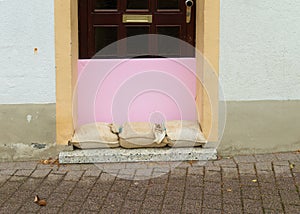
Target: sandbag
(139, 135)
(184, 134)
(96, 135)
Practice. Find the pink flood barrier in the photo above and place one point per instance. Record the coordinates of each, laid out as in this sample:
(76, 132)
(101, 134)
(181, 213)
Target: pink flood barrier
(120, 90)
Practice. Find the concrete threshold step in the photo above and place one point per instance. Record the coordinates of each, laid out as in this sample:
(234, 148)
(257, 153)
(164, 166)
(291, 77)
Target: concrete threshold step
(118, 155)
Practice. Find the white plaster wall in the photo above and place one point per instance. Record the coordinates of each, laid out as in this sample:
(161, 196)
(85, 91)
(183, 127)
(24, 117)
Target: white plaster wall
(25, 76)
(260, 49)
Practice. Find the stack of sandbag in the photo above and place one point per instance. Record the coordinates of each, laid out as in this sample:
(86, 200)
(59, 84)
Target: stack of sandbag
(96, 135)
(184, 134)
(142, 135)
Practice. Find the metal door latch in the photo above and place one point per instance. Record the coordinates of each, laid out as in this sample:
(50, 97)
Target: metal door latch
(189, 4)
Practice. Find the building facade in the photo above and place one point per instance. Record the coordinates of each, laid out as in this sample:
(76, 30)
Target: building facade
(252, 46)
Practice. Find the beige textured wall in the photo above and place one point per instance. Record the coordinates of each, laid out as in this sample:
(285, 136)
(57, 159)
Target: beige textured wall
(254, 127)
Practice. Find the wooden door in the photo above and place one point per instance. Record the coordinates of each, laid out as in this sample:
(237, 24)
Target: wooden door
(102, 22)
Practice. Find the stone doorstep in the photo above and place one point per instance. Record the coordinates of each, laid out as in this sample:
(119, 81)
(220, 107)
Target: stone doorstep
(118, 155)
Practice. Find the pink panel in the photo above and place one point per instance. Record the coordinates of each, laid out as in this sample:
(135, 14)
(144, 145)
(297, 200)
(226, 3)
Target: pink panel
(120, 90)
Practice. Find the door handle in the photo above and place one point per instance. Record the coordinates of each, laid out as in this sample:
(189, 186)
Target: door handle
(189, 4)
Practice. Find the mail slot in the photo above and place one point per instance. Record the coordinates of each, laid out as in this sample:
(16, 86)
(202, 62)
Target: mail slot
(128, 18)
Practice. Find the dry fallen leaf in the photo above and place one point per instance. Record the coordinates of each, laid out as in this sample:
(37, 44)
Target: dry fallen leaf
(50, 161)
(292, 166)
(191, 162)
(39, 201)
(229, 190)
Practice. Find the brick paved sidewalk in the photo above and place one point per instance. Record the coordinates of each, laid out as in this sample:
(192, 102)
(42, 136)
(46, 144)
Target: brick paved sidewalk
(245, 184)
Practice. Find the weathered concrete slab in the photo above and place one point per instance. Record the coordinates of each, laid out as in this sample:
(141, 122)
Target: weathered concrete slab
(137, 155)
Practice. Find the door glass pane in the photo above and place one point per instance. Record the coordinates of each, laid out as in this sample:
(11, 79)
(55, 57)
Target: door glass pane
(105, 36)
(137, 4)
(169, 47)
(168, 4)
(106, 4)
(137, 45)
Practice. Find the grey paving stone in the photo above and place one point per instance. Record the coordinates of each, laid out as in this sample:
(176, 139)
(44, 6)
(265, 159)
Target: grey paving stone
(191, 206)
(178, 172)
(266, 176)
(272, 203)
(232, 198)
(212, 188)
(175, 207)
(287, 157)
(53, 178)
(194, 170)
(194, 180)
(29, 207)
(78, 194)
(252, 206)
(92, 173)
(71, 207)
(24, 172)
(31, 184)
(291, 209)
(144, 211)
(282, 171)
(251, 193)
(107, 177)
(57, 199)
(194, 193)
(143, 172)
(156, 189)
(231, 173)
(65, 187)
(152, 202)
(172, 196)
(9, 187)
(228, 162)
(7, 165)
(92, 203)
(136, 194)
(232, 208)
(211, 211)
(18, 178)
(281, 163)
(25, 165)
(7, 171)
(214, 176)
(249, 180)
(212, 202)
(218, 185)
(266, 157)
(40, 173)
(73, 175)
(3, 179)
(10, 207)
(269, 189)
(275, 211)
(246, 168)
(211, 167)
(263, 166)
(88, 212)
(87, 182)
(49, 210)
(176, 186)
(244, 159)
(290, 197)
(132, 204)
(44, 190)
